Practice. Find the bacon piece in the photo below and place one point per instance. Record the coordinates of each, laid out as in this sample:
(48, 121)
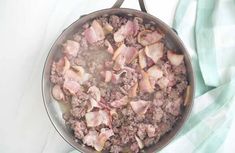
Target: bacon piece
(174, 58)
(94, 33)
(140, 107)
(142, 59)
(95, 93)
(120, 49)
(103, 137)
(95, 98)
(80, 70)
(91, 138)
(71, 75)
(109, 46)
(155, 72)
(120, 102)
(119, 63)
(144, 84)
(62, 65)
(130, 54)
(78, 76)
(114, 113)
(98, 140)
(133, 91)
(124, 31)
(148, 37)
(115, 77)
(108, 76)
(163, 82)
(97, 118)
(150, 130)
(154, 51)
(124, 55)
(107, 28)
(93, 104)
(71, 47)
(72, 86)
(57, 93)
(139, 142)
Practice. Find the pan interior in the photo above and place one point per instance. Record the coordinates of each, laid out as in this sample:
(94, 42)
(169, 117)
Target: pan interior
(55, 110)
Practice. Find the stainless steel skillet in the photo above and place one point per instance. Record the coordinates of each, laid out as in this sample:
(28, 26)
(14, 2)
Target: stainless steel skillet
(172, 41)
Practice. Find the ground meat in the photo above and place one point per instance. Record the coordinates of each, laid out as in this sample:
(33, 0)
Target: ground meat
(84, 44)
(127, 134)
(116, 149)
(80, 129)
(157, 115)
(92, 115)
(141, 133)
(148, 141)
(134, 148)
(114, 21)
(78, 112)
(57, 79)
(77, 37)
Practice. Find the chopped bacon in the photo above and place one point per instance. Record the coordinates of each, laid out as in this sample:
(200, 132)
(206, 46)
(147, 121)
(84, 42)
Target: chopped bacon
(120, 102)
(114, 113)
(62, 65)
(174, 58)
(98, 140)
(109, 46)
(130, 54)
(93, 104)
(107, 28)
(57, 93)
(91, 138)
(119, 63)
(124, 55)
(136, 27)
(154, 51)
(142, 59)
(124, 31)
(163, 82)
(80, 70)
(140, 107)
(133, 91)
(95, 98)
(71, 75)
(97, 118)
(78, 76)
(104, 135)
(108, 76)
(148, 37)
(150, 130)
(139, 142)
(94, 33)
(72, 86)
(71, 48)
(155, 72)
(120, 49)
(95, 93)
(115, 77)
(144, 84)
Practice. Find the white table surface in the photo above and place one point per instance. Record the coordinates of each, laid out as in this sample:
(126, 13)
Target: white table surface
(27, 30)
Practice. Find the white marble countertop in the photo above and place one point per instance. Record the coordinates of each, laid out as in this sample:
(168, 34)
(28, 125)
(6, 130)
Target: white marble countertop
(27, 30)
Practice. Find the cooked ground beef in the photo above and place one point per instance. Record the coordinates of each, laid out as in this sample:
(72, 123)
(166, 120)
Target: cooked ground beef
(122, 95)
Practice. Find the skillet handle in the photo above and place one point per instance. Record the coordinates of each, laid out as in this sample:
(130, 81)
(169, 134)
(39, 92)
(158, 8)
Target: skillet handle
(120, 2)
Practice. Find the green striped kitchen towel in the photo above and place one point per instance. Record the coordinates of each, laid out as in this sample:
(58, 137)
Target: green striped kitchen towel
(208, 27)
